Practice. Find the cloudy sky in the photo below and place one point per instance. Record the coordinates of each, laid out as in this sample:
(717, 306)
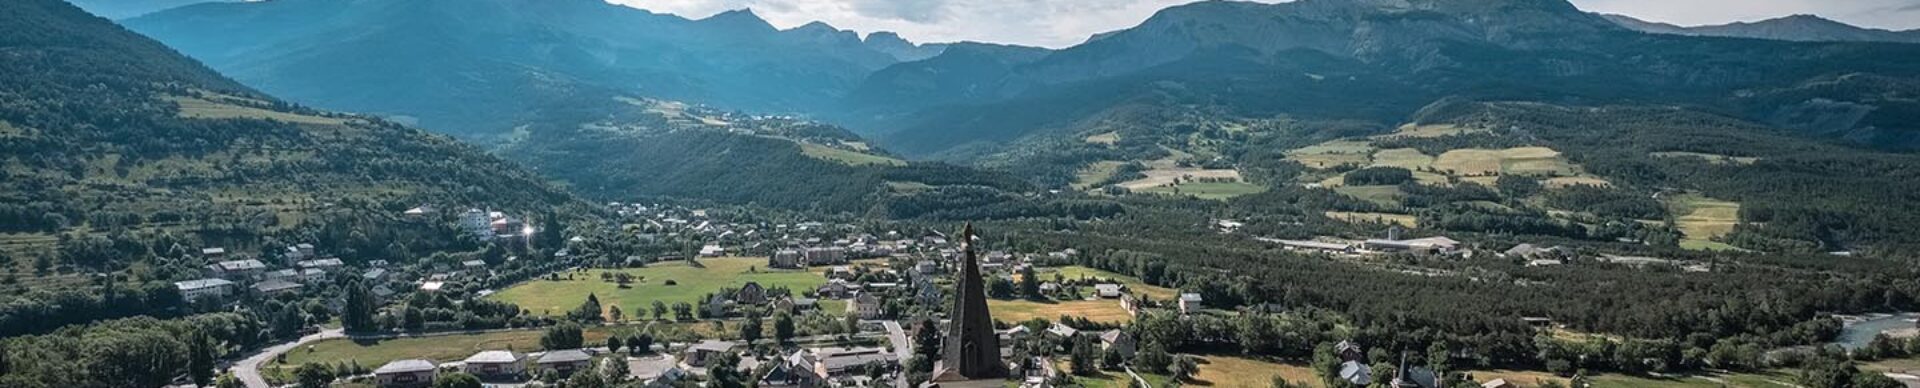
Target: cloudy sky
(1060, 23)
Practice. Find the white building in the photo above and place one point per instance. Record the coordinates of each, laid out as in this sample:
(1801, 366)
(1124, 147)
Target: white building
(195, 289)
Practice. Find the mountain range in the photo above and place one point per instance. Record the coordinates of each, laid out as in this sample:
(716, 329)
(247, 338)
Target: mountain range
(475, 67)
(1802, 28)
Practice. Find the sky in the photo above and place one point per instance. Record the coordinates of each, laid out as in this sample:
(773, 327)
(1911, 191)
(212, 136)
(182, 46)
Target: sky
(1061, 23)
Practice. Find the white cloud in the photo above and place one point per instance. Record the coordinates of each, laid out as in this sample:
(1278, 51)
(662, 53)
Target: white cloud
(1061, 23)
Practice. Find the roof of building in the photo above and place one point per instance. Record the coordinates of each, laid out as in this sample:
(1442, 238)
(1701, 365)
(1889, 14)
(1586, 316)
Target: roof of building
(1114, 335)
(1190, 297)
(568, 355)
(714, 346)
(406, 366)
(202, 283)
(241, 265)
(274, 285)
(850, 358)
(494, 357)
(327, 262)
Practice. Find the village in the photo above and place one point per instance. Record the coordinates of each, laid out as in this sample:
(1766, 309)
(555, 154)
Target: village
(793, 304)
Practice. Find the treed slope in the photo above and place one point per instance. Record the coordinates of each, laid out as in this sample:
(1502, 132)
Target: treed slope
(1240, 56)
(625, 148)
(475, 68)
(103, 129)
(1794, 195)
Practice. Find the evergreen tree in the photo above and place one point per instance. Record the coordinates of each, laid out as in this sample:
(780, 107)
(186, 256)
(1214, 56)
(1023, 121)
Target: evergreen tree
(200, 355)
(1030, 284)
(358, 313)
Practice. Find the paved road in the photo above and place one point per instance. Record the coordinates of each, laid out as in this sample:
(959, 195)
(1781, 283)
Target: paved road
(248, 369)
(901, 349)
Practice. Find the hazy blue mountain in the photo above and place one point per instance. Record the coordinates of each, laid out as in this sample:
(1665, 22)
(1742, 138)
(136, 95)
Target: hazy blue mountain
(474, 67)
(122, 9)
(1378, 61)
(1802, 28)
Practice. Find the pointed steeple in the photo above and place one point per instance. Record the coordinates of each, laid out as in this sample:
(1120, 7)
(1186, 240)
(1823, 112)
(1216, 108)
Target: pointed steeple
(971, 350)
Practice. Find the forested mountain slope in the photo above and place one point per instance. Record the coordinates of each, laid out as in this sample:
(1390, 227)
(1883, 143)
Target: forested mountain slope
(1379, 61)
(114, 141)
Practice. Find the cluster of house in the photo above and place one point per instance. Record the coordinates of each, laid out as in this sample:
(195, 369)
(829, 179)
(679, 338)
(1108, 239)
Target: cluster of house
(491, 365)
(297, 267)
(807, 367)
(828, 367)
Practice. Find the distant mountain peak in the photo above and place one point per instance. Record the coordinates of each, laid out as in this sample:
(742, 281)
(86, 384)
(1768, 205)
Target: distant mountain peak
(1799, 27)
(743, 17)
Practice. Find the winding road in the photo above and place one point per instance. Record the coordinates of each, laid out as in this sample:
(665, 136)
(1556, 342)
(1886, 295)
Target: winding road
(248, 369)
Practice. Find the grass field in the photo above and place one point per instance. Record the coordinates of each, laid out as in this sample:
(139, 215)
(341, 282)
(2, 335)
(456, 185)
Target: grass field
(851, 158)
(1229, 371)
(549, 297)
(1334, 153)
(1377, 218)
(908, 187)
(1406, 158)
(1133, 284)
(1384, 195)
(198, 108)
(1095, 173)
(1104, 310)
(1206, 190)
(1701, 220)
(440, 349)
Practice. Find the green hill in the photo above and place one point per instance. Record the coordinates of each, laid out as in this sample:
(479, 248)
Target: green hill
(111, 137)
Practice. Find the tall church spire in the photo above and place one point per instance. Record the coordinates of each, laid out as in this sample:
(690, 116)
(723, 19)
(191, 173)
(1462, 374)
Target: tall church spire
(971, 350)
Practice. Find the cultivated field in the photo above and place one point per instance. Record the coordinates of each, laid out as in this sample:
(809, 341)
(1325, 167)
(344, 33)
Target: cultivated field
(1206, 190)
(851, 158)
(1229, 371)
(1104, 310)
(548, 297)
(1516, 161)
(1701, 220)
